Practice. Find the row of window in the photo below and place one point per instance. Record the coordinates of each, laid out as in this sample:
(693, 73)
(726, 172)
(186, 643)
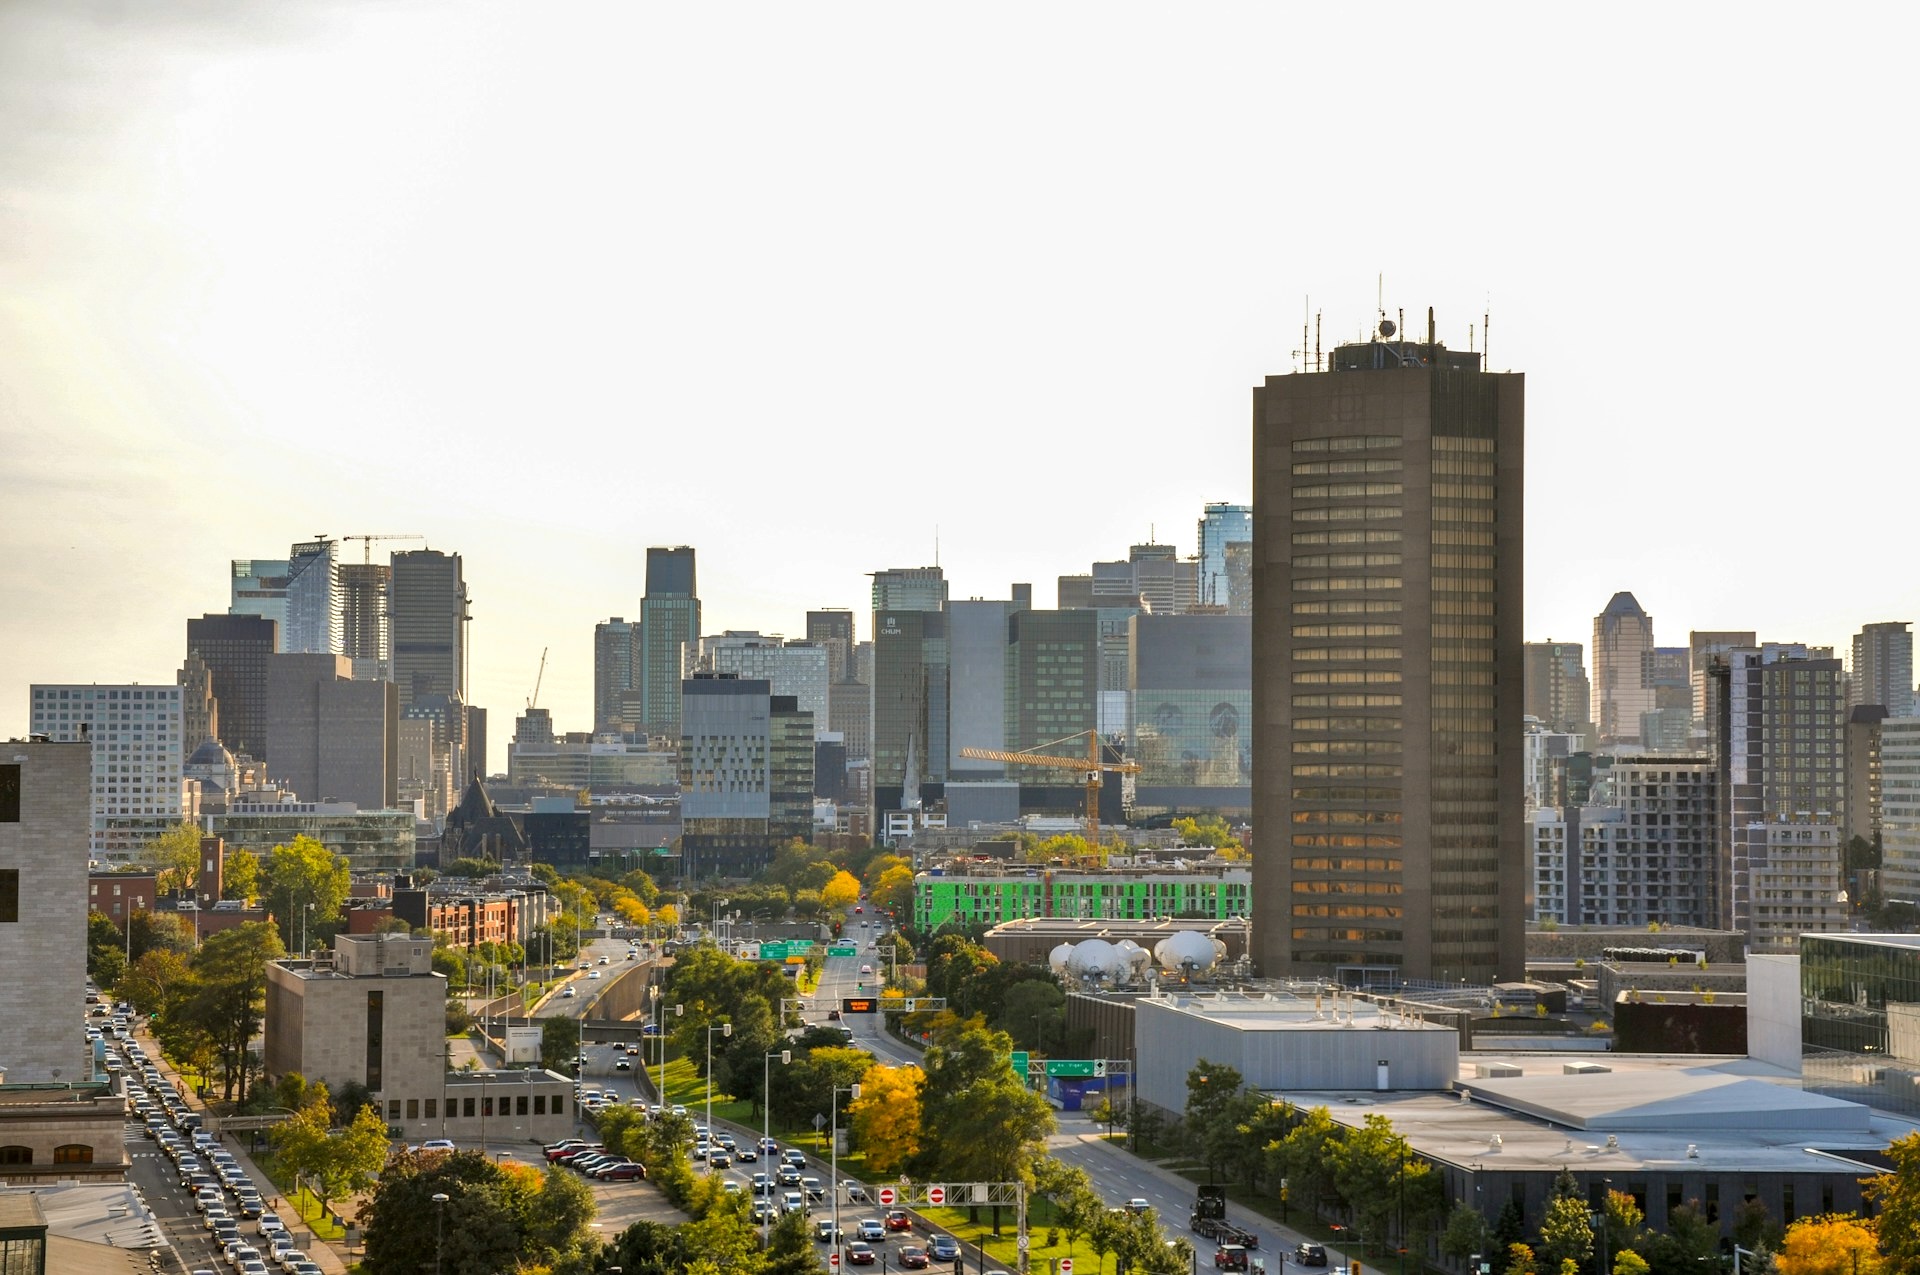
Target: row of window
(1368, 536)
(1350, 606)
(1380, 465)
(486, 1105)
(1347, 560)
(1312, 653)
(65, 1153)
(1346, 701)
(1351, 443)
(1344, 491)
(1350, 513)
(1337, 584)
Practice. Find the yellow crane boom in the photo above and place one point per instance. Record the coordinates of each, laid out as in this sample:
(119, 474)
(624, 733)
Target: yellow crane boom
(1092, 766)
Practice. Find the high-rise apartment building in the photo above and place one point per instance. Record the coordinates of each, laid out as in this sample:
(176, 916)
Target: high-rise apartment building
(669, 624)
(616, 662)
(1557, 691)
(833, 628)
(1639, 853)
(44, 801)
(136, 790)
(1863, 805)
(1192, 726)
(235, 649)
(746, 775)
(1668, 726)
(1780, 749)
(1622, 641)
(1052, 692)
(1220, 525)
(977, 680)
(428, 600)
(1900, 809)
(1882, 667)
(910, 589)
(1704, 648)
(1387, 667)
(330, 738)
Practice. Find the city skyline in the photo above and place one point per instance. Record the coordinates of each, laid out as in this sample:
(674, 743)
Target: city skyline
(241, 309)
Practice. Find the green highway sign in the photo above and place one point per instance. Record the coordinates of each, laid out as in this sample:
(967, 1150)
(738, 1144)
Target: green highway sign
(1020, 1063)
(844, 949)
(1070, 1067)
(774, 951)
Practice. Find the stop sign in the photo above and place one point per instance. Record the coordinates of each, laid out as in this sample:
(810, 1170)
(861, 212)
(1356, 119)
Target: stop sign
(936, 1195)
(886, 1195)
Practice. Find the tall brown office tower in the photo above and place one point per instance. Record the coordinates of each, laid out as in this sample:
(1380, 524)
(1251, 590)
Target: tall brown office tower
(1387, 683)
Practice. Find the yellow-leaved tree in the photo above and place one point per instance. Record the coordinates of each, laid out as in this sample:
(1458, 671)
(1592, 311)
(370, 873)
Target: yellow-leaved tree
(842, 890)
(886, 1117)
(1830, 1244)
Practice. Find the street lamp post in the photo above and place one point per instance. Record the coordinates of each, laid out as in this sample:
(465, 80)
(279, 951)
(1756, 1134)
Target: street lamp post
(725, 1029)
(766, 1127)
(852, 1091)
(660, 1038)
(439, 1228)
(306, 914)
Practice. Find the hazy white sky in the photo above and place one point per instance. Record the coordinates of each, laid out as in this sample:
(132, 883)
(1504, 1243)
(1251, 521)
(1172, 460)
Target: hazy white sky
(798, 283)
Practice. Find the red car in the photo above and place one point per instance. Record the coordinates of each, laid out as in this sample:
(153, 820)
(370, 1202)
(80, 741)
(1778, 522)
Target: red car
(625, 1173)
(897, 1220)
(914, 1259)
(860, 1253)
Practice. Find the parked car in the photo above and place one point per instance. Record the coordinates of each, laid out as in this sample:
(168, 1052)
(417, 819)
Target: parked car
(625, 1173)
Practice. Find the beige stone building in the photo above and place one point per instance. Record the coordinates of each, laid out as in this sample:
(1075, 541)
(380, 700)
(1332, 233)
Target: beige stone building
(45, 807)
(372, 1010)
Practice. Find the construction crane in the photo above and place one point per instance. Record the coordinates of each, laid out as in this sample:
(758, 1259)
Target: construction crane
(1092, 767)
(366, 551)
(538, 678)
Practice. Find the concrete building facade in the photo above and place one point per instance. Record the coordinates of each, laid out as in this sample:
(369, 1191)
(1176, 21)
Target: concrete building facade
(44, 805)
(669, 626)
(1192, 722)
(1642, 852)
(1900, 808)
(833, 628)
(330, 738)
(746, 775)
(136, 736)
(1387, 667)
(616, 660)
(1557, 690)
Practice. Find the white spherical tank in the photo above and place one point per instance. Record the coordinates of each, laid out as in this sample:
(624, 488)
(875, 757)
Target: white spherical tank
(1134, 959)
(1188, 949)
(1093, 959)
(1057, 958)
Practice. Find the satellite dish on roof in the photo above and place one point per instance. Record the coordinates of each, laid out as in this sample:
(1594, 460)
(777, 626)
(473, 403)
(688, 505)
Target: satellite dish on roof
(1387, 329)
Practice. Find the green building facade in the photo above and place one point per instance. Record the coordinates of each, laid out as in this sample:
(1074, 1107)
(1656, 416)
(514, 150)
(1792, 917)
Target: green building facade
(1217, 894)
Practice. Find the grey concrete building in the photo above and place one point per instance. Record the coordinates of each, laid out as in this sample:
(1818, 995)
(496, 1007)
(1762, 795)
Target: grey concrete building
(44, 805)
(330, 738)
(1388, 769)
(746, 774)
(137, 734)
(616, 660)
(832, 627)
(911, 709)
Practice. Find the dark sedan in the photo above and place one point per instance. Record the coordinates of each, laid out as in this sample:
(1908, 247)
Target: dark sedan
(914, 1259)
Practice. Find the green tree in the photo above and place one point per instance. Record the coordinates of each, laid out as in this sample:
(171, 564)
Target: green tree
(1896, 1197)
(1033, 1013)
(240, 875)
(1305, 1158)
(300, 874)
(1625, 1225)
(226, 997)
(649, 1248)
(1566, 1234)
(175, 857)
(158, 931)
(1520, 1260)
(982, 1123)
(790, 1248)
(1688, 1240)
(1211, 831)
(1466, 1232)
(1628, 1262)
(559, 1043)
(496, 1217)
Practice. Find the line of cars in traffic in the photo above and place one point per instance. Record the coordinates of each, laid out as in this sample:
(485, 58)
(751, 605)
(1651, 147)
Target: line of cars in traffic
(225, 1196)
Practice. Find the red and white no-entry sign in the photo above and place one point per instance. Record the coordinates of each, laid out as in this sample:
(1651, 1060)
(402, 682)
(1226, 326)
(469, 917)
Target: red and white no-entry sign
(936, 1195)
(833, 1261)
(886, 1195)
(1066, 1266)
